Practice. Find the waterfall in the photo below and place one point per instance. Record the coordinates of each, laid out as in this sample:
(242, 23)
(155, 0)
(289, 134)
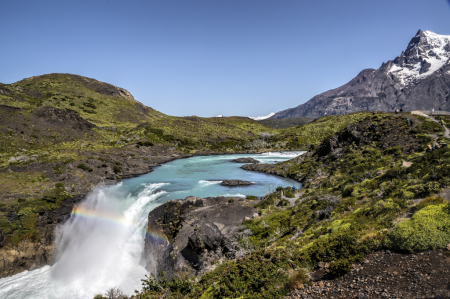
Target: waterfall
(102, 243)
(99, 247)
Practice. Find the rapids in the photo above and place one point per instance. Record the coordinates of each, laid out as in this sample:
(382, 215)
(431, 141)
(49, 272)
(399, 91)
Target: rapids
(101, 245)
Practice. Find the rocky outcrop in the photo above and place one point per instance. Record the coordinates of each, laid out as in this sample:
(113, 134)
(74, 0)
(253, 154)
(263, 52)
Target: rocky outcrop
(245, 160)
(30, 254)
(187, 235)
(383, 132)
(235, 183)
(418, 79)
(64, 117)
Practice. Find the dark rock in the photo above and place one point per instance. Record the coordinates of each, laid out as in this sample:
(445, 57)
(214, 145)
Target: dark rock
(245, 160)
(425, 67)
(235, 183)
(67, 116)
(12, 216)
(186, 235)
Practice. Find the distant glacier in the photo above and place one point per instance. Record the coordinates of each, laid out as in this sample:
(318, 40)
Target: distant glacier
(262, 117)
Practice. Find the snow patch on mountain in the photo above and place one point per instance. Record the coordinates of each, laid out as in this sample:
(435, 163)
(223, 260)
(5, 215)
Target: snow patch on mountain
(262, 117)
(422, 58)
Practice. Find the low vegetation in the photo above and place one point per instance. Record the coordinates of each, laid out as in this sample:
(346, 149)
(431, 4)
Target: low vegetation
(284, 123)
(358, 198)
(365, 178)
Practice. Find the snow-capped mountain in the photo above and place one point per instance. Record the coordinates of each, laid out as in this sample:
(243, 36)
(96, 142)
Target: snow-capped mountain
(426, 53)
(262, 117)
(417, 79)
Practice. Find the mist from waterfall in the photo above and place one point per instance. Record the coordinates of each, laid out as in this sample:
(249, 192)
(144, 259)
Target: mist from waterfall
(99, 248)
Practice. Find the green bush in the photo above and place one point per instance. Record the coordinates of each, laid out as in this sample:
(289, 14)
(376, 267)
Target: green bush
(117, 169)
(251, 197)
(283, 203)
(230, 200)
(342, 248)
(289, 194)
(431, 200)
(395, 150)
(177, 285)
(55, 194)
(145, 143)
(429, 228)
(340, 267)
(84, 167)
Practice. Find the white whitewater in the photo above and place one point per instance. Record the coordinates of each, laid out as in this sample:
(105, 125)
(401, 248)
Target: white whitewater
(100, 247)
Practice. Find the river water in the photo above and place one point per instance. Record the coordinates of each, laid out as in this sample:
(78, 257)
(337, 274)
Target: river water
(101, 245)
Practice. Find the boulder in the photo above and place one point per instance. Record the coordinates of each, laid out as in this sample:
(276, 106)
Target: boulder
(245, 160)
(235, 183)
(188, 235)
(406, 164)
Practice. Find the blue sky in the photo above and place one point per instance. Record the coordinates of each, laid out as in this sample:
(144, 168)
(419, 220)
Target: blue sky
(195, 57)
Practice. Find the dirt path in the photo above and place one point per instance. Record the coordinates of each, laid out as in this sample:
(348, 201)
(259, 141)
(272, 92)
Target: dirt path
(292, 200)
(446, 132)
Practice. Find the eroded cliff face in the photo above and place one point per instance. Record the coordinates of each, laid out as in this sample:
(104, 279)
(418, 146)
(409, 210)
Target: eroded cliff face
(30, 254)
(188, 235)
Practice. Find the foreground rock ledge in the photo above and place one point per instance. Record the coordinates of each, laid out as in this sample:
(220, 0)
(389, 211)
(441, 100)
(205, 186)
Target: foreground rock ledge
(187, 235)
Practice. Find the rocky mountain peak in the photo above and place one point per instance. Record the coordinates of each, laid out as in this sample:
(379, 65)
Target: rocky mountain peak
(426, 53)
(417, 79)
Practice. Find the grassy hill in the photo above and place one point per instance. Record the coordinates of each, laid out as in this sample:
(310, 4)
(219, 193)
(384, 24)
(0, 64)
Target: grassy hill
(282, 123)
(62, 134)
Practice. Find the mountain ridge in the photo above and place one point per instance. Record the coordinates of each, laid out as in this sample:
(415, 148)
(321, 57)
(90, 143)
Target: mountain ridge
(420, 72)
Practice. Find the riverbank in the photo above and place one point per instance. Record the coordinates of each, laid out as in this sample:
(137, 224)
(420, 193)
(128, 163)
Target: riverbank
(67, 184)
(110, 226)
(28, 253)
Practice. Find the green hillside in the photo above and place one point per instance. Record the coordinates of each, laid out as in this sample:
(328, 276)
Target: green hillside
(368, 187)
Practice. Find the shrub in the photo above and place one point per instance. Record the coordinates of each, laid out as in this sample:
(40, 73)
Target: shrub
(289, 194)
(56, 194)
(340, 267)
(296, 279)
(251, 197)
(145, 143)
(230, 200)
(347, 190)
(117, 169)
(84, 167)
(395, 150)
(177, 285)
(429, 228)
(431, 200)
(283, 203)
(343, 248)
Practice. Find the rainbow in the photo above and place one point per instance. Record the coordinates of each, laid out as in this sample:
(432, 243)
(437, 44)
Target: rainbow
(117, 219)
(113, 218)
(156, 237)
